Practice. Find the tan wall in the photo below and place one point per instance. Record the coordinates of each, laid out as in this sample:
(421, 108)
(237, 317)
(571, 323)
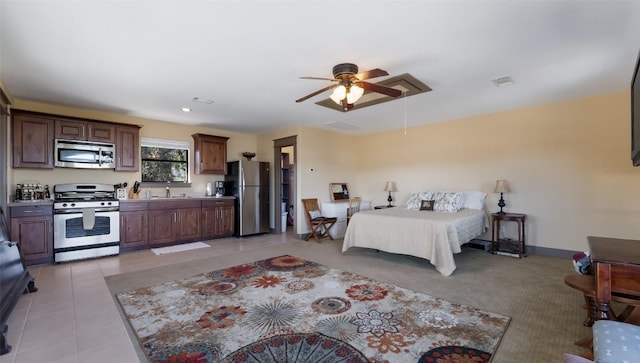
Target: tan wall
(568, 165)
(236, 144)
(331, 155)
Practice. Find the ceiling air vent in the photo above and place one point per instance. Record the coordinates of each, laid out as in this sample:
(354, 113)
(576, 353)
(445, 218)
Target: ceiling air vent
(341, 125)
(503, 81)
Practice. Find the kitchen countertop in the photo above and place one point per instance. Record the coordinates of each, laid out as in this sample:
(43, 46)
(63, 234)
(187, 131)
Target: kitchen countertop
(44, 202)
(164, 199)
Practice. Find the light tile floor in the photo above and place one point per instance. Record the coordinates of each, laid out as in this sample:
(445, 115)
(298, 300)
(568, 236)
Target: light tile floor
(72, 318)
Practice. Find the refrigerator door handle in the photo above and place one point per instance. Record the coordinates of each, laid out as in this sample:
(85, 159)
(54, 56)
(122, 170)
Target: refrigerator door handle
(242, 181)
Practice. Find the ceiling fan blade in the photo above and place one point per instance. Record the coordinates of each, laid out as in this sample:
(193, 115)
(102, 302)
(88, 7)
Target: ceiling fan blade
(391, 92)
(317, 92)
(373, 73)
(320, 78)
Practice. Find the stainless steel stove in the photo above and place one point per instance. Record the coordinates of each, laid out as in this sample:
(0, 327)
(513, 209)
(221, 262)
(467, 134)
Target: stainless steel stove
(86, 221)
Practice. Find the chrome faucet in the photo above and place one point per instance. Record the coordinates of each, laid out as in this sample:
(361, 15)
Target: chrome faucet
(168, 189)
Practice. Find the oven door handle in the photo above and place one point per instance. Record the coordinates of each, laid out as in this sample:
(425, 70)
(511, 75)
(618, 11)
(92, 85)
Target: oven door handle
(79, 210)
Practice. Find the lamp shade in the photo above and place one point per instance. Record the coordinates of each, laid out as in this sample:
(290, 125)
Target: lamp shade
(354, 94)
(340, 92)
(390, 187)
(502, 187)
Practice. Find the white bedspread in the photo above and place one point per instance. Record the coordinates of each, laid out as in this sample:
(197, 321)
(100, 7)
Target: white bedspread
(434, 236)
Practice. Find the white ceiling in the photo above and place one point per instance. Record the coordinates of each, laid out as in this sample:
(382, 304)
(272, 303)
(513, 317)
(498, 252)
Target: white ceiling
(150, 58)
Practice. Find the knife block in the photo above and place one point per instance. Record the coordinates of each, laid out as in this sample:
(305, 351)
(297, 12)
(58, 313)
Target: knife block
(133, 195)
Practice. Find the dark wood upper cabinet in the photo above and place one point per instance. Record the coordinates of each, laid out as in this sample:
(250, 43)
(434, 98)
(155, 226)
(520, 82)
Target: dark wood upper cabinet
(127, 148)
(210, 154)
(85, 131)
(32, 141)
(34, 134)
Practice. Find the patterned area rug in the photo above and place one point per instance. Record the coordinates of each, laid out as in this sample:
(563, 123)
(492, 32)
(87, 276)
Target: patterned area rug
(287, 309)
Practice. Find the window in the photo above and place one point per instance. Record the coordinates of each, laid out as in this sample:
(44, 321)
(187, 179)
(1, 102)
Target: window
(164, 160)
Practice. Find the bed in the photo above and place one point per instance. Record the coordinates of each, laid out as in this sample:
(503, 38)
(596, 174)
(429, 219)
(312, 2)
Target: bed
(435, 233)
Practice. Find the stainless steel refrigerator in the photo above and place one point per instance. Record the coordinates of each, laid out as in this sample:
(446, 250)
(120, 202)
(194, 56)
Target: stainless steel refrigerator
(248, 181)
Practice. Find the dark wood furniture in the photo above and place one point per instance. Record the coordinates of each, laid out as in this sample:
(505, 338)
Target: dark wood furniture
(134, 226)
(32, 225)
(15, 279)
(127, 148)
(33, 135)
(586, 284)
(616, 264)
(210, 154)
(218, 218)
(174, 221)
(160, 222)
(507, 246)
(85, 131)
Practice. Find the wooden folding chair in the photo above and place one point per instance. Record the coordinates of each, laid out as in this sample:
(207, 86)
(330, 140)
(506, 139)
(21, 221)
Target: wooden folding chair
(319, 225)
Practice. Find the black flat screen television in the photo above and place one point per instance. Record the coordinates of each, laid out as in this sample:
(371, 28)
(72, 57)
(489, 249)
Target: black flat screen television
(635, 115)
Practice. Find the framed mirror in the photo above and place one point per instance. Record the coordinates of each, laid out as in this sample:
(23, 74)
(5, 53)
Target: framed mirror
(339, 192)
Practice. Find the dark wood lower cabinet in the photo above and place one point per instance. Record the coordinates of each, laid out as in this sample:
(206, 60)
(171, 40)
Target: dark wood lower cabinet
(134, 226)
(217, 218)
(188, 226)
(164, 222)
(162, 225)
(32, 227)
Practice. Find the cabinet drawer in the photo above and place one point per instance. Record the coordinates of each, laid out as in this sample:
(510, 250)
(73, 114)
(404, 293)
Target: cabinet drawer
(133, 207)
(175, 204)
(31, 210)
(218, 202)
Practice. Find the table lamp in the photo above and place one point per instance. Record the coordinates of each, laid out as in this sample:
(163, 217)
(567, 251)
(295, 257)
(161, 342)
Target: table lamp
(390, 187)
(501, 187)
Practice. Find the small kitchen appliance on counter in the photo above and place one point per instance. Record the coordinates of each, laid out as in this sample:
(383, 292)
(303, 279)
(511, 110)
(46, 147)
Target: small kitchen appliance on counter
(219, 188)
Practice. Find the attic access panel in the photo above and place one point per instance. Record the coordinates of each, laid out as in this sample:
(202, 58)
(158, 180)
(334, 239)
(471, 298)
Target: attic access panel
(405, 82)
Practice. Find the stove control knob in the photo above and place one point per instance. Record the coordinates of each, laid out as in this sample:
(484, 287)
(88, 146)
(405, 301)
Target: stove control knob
(73, 204)
(64, 205)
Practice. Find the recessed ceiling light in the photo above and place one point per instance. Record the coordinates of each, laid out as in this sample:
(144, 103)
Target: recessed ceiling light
(503, 81)
(186, 109)
(203, 100)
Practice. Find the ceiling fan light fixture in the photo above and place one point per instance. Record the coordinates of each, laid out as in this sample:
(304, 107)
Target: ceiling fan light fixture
(338, 94)
(353, 95)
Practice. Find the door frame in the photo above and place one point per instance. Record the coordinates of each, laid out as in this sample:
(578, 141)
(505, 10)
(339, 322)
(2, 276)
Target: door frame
(278, 144)
(5, 111)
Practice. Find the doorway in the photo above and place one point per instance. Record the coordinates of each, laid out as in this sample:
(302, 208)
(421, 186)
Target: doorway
(285, 160)
(4, 149)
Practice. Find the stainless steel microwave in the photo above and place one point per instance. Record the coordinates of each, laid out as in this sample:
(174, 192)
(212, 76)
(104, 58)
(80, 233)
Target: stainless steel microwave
(84, 154)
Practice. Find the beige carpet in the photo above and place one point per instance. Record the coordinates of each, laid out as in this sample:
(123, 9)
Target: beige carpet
(546, 315)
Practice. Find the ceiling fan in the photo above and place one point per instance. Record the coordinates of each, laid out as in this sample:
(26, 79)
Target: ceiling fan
(350, 85)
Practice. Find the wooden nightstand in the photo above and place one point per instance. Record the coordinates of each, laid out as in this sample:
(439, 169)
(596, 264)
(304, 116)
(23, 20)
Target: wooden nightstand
(383, 206)
(507, 246)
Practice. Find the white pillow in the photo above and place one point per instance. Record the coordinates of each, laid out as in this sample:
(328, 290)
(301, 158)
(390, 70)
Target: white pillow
(313, 214)
(472, 200)
(446, 201)
(417, 197)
